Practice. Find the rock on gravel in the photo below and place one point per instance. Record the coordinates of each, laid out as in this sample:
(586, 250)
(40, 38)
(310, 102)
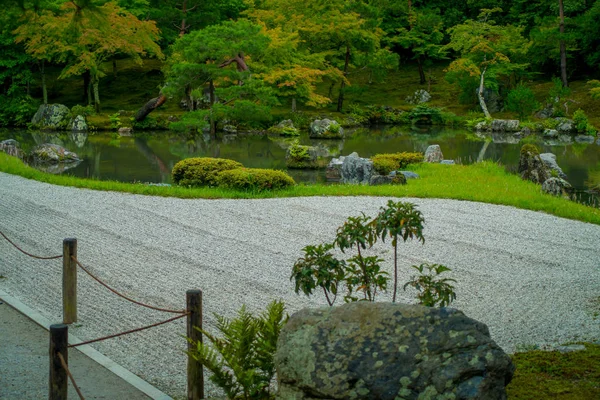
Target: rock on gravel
(530, 277)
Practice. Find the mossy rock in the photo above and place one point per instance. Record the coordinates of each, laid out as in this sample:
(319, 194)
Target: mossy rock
(51, 116)
(530, 148)
(388, 162)
(201, 171)
(254, 179)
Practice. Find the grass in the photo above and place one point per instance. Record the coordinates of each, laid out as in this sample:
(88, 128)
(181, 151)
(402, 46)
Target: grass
(483, 182)
(554, 375)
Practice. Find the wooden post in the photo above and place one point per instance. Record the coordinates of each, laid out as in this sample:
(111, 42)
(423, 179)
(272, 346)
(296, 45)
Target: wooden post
(59, 339)
(195, 374)
(69, 281)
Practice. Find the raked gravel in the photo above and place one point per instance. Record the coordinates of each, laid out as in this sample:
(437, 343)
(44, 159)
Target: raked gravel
(533, 278)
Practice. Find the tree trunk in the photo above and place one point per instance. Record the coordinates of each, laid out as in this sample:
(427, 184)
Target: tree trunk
(96, 95)
(211, 95)
(563, 47)
(422, 77)
(343, 84)
(86, 88)
(183, 27)
(150, 106)
(480, 96)
(293, 104)
(44, 88)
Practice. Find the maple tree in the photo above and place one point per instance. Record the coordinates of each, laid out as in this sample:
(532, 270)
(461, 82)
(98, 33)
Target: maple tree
(83, 34)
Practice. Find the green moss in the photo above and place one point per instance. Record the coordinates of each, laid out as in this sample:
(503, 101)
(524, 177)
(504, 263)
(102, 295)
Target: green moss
(386, 163)
(201, 171)
(254, 179)
(553, 375)
(530, 148)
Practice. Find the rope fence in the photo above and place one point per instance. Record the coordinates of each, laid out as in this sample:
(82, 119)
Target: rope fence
(59, 346)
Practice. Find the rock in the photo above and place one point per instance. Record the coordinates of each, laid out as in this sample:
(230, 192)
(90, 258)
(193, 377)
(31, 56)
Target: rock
(51, 116)
(546, 112)
(78, 124)
(325, 129)
(570, 348)
(585, 139)
(229, 128)
(389, 351)
(125, 131)
(419, 97)
(557, 187)
(285, 128)
(396, 179)
(49, 153)
(447, 162)
(12, 148)
(565, 126)
(333, 173)
(356, 170)
(407, 174)
(298, 156)
(433, 154)
(550, 133)
(505, 125)
(550, 160)
(531, 166)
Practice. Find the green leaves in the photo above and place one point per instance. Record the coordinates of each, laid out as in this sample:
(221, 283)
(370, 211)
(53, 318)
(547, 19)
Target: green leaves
(241, 361)
(432, 289)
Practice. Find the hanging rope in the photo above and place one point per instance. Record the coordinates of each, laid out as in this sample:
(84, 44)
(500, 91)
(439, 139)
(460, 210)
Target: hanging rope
(66, 368)
(26, 253)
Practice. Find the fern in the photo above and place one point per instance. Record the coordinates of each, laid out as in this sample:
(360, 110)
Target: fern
(242, 359)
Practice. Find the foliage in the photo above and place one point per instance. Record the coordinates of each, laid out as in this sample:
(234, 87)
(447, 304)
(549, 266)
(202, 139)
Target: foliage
(374, 115)
(546, 375)
(423, 114)
(201, 171)
(531, 149)
(522, 101)
(115, 120)
(582, 123)
(432, 289)
(299, 153)
(192, 121)
(254, 179)
(242, 359)
(17, 110)
(82, 110)
(386, 163)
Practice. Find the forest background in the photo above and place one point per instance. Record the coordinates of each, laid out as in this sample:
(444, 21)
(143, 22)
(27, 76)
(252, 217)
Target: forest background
(246, 60)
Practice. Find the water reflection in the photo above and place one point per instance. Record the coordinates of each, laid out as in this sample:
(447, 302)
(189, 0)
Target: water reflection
(150, 156)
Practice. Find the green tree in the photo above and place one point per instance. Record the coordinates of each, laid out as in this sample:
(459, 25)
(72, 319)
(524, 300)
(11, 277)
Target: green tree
(522, 101)
(486, 48)
(83, 34)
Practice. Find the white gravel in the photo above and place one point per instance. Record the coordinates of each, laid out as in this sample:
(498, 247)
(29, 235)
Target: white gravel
(531, 277)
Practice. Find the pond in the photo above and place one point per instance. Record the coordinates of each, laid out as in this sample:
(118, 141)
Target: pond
(150, 156)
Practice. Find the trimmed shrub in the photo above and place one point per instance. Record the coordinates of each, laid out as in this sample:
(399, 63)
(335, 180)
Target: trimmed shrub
(201, 171)
(386, 163)
(254, 179)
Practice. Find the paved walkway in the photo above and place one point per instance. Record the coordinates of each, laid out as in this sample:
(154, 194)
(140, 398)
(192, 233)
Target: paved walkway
(24, 365)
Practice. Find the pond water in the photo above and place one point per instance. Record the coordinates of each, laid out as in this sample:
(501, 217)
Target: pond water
(150, 156)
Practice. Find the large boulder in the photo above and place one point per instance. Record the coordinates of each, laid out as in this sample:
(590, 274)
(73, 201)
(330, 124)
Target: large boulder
(565, 126)
(78, 124)
(557, 187)
(11, 147)
(356, 170)
(419, 97)
(389, 351)
(49, 153)
(531, 166)
(51, 116)
(325, 129)
(433, 154)
(505, 125)
(550, 160)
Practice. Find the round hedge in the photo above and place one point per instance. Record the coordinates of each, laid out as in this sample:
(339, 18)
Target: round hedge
(201, 171)
(254, 179)
(386, 163)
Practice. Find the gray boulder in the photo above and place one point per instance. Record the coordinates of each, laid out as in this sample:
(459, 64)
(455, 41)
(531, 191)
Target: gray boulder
(433, 154)
(51, 116)
(356, 170)
(531, 166)
(49, 153)
(565, 126)
(419, 97)
(389, 351)
(333, 173)
(546, 112)
(505, 125)
(557, 187)
(396, 179)
(325, 129)
(550, 160)
(78, 124)
(550, 133)
(407, 174)
(11, 147)
(125, 131)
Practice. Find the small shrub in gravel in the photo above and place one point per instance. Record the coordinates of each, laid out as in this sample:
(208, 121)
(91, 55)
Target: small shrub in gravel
(201, 171)
(254, 179)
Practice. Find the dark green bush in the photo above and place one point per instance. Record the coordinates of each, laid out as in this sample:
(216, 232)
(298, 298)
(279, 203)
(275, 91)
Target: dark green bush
(201, 171)
(254, 179)
(17, 111)
(423, 114)
(521, 100)
(386, 163)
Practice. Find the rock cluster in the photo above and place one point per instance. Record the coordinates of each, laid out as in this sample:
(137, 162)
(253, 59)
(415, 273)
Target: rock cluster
(325, 129)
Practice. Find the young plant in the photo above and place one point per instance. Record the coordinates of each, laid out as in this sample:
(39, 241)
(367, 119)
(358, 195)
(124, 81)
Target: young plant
(241, 361)
(399, 220)
(432, 289)
(318, 268)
